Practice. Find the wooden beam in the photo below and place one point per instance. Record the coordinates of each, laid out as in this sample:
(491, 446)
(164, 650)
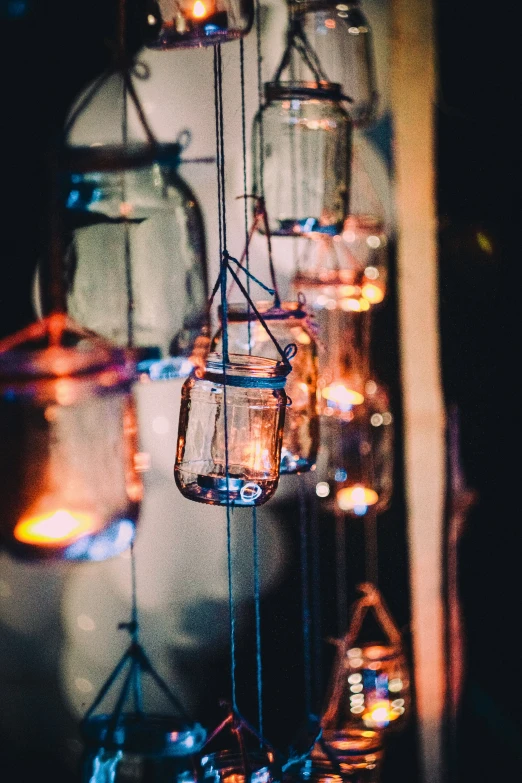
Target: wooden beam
(413, 82)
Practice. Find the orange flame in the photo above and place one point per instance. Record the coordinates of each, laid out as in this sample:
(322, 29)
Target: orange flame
(55, 527)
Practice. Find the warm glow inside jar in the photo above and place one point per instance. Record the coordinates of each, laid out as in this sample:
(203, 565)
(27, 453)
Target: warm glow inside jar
(227, 767)
(248, 428)
(142, 749)
(347, 272)
(371, 690)
(68, 470)
(359, 753)
(171, 24)
(307, 151)
(288, 324)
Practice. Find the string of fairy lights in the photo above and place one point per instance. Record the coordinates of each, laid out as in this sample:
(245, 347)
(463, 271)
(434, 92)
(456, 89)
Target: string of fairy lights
(281, 387)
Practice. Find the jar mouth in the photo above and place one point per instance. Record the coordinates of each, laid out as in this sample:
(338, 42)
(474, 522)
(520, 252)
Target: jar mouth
(246, 371)
(327, 91)
(363, 223)
(353, 742)
(377, 652)
(149, 734)
(240, 311)
(119, 157)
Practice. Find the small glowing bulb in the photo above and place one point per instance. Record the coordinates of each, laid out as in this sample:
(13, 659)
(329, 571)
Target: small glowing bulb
(57, 527)
(322, 489)
(380, 715)
(372, 293)
(199, 11)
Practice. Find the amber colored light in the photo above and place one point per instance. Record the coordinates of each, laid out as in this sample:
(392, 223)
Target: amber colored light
(55, 527)
(380, 714)
(199, 11)
(339, 394)
(349, 498)
(373, 293)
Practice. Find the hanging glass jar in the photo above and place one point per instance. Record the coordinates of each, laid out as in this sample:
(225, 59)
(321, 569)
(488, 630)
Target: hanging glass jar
(304, 165)
(370, 684)
(359, 754)
(135, 263)
(289, 325)
(143, 749)
(246, 432)
(355, 466)
(171, 24)
(69, 476)
(347, 272)
(341, 37)
(228, 767)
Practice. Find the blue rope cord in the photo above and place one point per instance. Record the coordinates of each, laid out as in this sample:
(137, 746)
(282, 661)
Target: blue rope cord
(220, 153)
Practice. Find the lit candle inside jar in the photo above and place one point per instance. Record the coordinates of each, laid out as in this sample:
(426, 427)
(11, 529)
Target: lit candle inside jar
(199, 10)
(356, 499)
(339, 396)
(59, 527)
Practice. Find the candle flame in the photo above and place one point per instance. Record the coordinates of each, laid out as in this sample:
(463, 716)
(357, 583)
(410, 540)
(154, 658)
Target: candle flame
(199, 11)
(350, 498)
(372, 293)
(341, 396)
(55, 527)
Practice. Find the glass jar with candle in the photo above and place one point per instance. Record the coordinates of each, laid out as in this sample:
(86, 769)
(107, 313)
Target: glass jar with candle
(359, 753)
(355, 467)
(171, 24)
(143, 749)
(341, 37)
(69, 468)
(239, 415)
(307, 137)
(370, 683)
(228, 767)
(288, 324)
(346, 272)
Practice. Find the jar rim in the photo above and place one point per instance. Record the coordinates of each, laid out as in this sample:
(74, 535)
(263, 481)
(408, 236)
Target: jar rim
(246, 371)
(240, 311)
(147, 734)
(353, 741)
(119, 157)
(377, 651)
(327, 91)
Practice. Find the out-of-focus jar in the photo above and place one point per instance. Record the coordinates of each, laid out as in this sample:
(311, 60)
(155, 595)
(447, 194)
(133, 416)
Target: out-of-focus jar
(288, 324)
(241, 414)
(359, 754)
(307, 137)
(69, 468)
(172, 24)
(227, 767)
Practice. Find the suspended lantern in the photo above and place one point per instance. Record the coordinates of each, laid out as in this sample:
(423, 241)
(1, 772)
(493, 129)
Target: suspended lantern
(355, 466)
(304, 166)
(355, 755)
(230, 431)
(229, 767)
(172, 24)
(370, 684)
(289, 325)
(348, 272)
(341, 37)
(68, 464)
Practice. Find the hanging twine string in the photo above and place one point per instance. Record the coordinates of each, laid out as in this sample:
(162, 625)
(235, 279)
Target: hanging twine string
(224, 266)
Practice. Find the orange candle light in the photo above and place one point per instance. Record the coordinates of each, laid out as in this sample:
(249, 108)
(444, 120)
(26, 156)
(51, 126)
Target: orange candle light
(356, 499)
(53, 528)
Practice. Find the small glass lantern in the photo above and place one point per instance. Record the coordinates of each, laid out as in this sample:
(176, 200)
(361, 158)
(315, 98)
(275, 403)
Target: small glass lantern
(172, 24)
(370, 685)
(68, 470)
(358, 752)
(348, 272)
(306, 157)
(288, 324)
(249, 428)
(340, 36)
(228, 767)
(355, 466)
(135, 264)
(143, 749)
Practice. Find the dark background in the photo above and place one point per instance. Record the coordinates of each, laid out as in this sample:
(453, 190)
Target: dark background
(49, 49)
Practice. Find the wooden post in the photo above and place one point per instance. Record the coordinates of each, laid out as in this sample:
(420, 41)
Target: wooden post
(413, 97)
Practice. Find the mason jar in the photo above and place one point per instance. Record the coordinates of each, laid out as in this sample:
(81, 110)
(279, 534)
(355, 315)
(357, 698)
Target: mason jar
(135, 257)
(231, 423)
(289, 324)
(341, 37)
(228, 767)
(171, 24)
(359, 755)
(306, 156)
(69, 465)
(143, 749)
